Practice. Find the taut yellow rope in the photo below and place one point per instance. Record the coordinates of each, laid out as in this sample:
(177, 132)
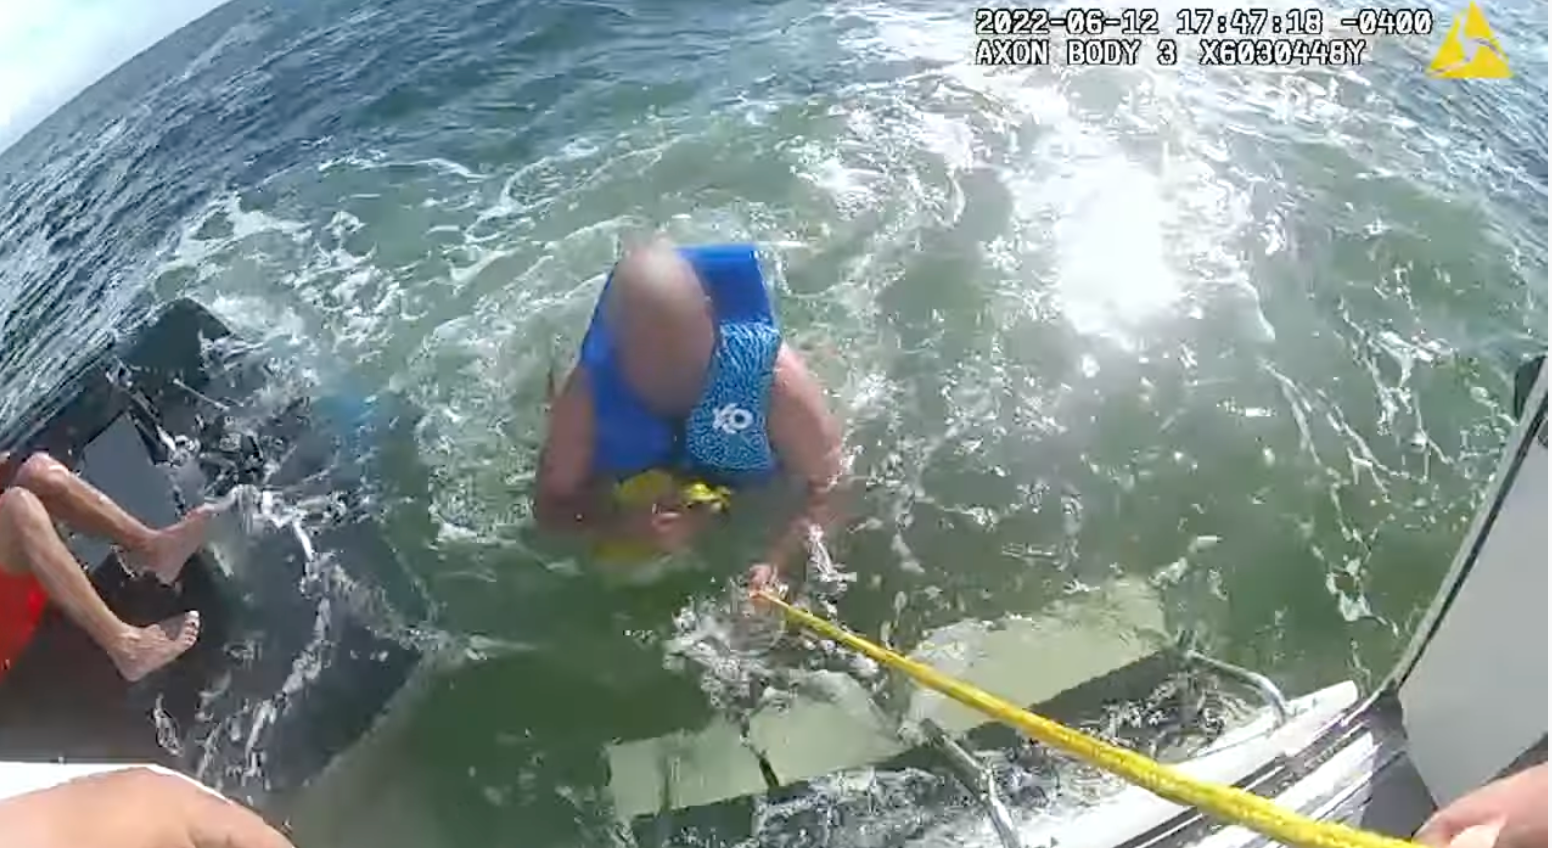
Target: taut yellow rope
(1228, 803)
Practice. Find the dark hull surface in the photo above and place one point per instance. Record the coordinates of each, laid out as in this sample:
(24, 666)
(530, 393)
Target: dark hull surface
(288, 671)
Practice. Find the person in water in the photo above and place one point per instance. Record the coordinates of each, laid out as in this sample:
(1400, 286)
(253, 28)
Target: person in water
(35, 564)
(684, 370)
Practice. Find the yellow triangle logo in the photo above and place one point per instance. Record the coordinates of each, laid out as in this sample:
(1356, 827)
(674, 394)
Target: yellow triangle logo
(1470, 50)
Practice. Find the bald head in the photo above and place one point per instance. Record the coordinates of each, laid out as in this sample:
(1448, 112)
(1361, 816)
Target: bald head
(653, 284)
(663, 324)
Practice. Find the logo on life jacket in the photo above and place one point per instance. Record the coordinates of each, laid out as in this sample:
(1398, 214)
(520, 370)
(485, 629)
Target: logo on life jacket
(731, 419)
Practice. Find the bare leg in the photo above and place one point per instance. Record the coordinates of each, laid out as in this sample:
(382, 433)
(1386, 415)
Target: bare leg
(74, 501)
(28, 542)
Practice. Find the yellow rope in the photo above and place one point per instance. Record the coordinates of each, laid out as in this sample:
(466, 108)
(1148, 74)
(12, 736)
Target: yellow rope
(1228, 803)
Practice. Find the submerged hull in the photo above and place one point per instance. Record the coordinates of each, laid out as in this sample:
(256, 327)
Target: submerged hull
(296, 658)
(1383, 763)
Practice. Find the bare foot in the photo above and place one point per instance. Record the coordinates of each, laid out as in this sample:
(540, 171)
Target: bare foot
(146, 649)
(167, 552)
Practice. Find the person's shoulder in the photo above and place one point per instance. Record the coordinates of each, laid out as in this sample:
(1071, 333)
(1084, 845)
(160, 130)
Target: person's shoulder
(789, 364)
(573, 399)
(578, 381)
(794, 387)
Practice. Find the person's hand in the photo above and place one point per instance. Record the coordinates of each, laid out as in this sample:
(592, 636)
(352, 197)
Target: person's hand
(673, 530)
(1507, 813)
(665, 530)
(763, 577)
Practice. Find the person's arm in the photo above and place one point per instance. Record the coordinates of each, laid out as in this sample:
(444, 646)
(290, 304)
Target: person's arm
(218, 823)
(568, 501)
(807, 438)
(1508, 813)
(112, 810)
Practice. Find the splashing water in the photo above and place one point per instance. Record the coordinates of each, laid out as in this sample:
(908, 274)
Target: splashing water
(731, 640)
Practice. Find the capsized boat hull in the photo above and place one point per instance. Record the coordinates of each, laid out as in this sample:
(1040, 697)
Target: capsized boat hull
(293, 664)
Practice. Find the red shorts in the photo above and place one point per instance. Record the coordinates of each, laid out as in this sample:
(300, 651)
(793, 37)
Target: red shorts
(21, 608)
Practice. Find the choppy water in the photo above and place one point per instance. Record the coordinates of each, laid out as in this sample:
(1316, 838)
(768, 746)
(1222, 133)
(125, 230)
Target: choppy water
(1246, 335)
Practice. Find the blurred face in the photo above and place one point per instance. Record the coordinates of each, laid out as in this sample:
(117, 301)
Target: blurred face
(664, 349)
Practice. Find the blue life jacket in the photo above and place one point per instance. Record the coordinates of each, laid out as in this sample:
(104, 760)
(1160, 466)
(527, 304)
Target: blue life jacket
(724, 438)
